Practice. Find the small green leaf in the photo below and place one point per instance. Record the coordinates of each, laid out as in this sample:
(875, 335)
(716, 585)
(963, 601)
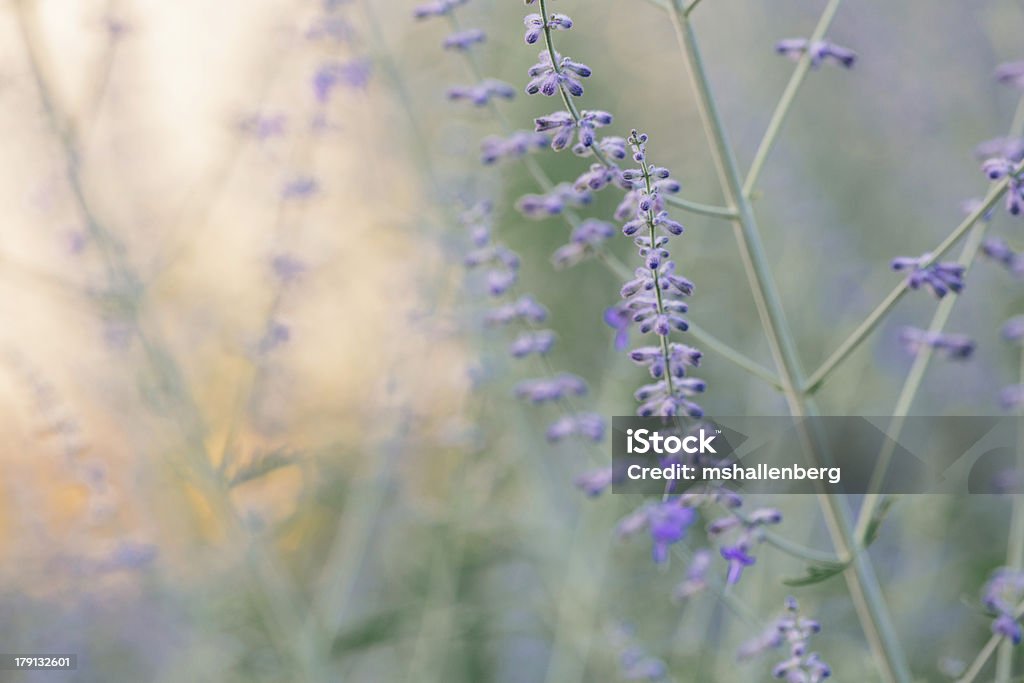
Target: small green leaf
(816, 573)
(875, 525)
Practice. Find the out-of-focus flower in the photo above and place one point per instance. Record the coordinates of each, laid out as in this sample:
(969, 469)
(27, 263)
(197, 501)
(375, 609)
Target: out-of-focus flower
(821, 51)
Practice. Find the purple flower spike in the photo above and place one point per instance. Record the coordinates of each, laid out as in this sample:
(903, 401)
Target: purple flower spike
(515, 146)
(546, 77)
(955, 346)
(482, 93)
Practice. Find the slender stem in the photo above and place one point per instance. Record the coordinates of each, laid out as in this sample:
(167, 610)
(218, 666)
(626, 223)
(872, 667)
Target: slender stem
(911, 385)
(864, 589)
(986, 652)
(652, 234)
(818, 377)
(1015, 541)
(693, 6)
(803, 67)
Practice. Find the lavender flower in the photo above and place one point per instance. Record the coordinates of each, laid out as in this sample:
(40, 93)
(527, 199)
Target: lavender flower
(1011, 74)
(463, 40)
(436, 8)
(1007, 148)
(535, 26)
(1001, 167)
(942, 278)
(746, 533)
(1002, 594)
(586, 238)
(667, 523)
(1013, 329)
(524, 309)
(564, 125)
(546, 77)
(999, 251)
(553, 203)
(595, 482)
(534, 342)
(551, 389)
(482, 93)
(820, 51)
(955, 346)
(619, 319)
(696, 575)
(1011, 398)
(796, 631)
(587, 425)
(516, 145)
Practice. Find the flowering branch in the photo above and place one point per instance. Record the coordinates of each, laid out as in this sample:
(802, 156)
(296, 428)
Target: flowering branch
(863, 584)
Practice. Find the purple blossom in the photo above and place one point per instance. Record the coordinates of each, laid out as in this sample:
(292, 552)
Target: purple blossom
(942, 278)
(999, 251)
(1013, 329)
(551, 388)
(482, 93)
(463, 40)
(563, 124)
(595, 482)
(525, 309)
(1006, 148)
(537, 342)
(1001, 594)
(820, 51)
(1011, 398)
(667, 522)
(586, 238)
(955, 346)
(1011, 74)
(554, 202)
(590, 426)
(619, 318)
(546, 77)
(696, 575)
(354, 74)
(1001, 167)
(515, 146)
(738, 560)
(535, 25)
(436, 8)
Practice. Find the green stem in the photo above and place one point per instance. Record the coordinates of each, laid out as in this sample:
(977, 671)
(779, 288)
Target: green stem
(1015, 542)
(782, 109)
(911, 385)
(986, 652)
(864, 589)
(818, 377)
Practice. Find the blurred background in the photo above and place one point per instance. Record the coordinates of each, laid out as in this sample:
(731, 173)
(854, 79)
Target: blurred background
(253, 427)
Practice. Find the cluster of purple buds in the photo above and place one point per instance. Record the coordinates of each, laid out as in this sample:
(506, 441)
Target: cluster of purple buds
(547, 76)
(1000, 252)
(820, 51)
(794, 631)
(942, 278)
(667, 523)
(746, 532)
(553, 202)
(501, 267)
(1002, 594)
(482, 93)
(515, 146)
(1001, 167)
(585, 240)
(535, 25)
(955, 346)
(562, 124)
